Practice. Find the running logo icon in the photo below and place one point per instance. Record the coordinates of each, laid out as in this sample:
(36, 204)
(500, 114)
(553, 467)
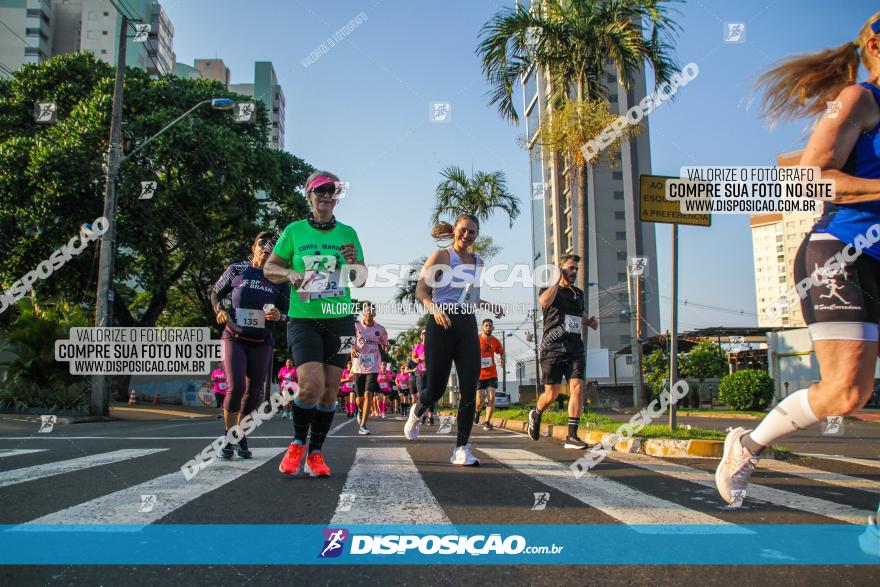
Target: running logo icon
(541, 501)
(148, 190)
(441, 112)
(833, 425)
(445, 424)
(46, 113)
(333, 542)
(734, 32)
(147, 504)
(47, 423)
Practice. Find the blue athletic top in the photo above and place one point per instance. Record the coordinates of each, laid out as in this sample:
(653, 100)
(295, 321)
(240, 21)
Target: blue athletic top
(250, 290)
(845, 221)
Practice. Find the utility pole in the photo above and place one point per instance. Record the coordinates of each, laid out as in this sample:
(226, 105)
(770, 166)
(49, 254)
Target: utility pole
(534, 312)
(673, 336)
(99, 403)
(504, 362)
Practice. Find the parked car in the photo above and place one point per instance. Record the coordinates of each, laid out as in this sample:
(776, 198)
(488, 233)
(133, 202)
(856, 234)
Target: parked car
(502, 400)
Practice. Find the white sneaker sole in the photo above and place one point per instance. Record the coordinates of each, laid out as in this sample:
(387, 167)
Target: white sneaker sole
(728, 446)
(575, 446)
(475, 463)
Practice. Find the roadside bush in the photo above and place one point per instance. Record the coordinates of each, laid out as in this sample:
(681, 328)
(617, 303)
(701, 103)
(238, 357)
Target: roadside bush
(748, 389)
(20, 395)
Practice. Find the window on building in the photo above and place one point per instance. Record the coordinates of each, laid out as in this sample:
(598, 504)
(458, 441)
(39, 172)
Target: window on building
(629, 360)
(621, 255)
(782, 279)
(103, 51)
(617, 175)
(619, 215)
(106, 14)
(621, 236)
(104, 33)
(618, 195)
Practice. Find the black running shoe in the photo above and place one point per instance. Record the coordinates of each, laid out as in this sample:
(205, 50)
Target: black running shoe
(476, 417)
(575, 443)
(534, 425)
(241, 449)
(227, 451)
(487, 425)
(431, 420)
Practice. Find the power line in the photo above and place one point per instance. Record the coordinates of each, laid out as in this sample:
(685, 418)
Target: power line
(17, 35)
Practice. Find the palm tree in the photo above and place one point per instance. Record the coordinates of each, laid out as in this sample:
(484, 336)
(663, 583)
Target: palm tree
(481, 194)
(571, 42)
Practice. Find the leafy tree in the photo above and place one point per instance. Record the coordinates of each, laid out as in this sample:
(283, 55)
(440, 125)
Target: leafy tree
(481, 194)
(746, 389)
(703, 361)
(172, 247)
(656, 369)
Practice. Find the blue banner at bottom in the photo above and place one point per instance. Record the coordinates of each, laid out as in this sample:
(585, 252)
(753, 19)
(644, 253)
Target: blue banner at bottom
(169, 544)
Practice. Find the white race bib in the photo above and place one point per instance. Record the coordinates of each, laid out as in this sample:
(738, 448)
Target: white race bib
(485, 362)
(250, 318)
(321, 278)
(367, 361)
(572, 324)
(221, 386)
(467, 295)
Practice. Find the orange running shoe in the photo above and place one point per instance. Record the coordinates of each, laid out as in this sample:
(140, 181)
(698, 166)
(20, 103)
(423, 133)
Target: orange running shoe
(315, 466)
(293, 459)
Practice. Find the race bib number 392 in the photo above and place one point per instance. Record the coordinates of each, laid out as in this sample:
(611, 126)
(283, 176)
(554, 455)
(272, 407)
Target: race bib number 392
(572, 324)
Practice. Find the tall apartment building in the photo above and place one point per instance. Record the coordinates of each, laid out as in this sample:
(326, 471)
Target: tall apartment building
(267, 89)
(614, 231)
(775, 240)
(43, 28)
(28, 38)
(213, 69)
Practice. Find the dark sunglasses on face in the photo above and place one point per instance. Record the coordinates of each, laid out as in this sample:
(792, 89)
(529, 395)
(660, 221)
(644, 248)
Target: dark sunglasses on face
(325, 190)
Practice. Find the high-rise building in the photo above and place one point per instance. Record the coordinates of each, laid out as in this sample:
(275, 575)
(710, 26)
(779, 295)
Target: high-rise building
(58, 27)
(613, 229)
(267, 90)
(213, 69)
(27, 34)
(775, 241)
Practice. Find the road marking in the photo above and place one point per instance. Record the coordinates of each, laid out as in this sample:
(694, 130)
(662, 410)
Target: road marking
(846, 481)
(387, 489)
(756, 491)
(14, 452)
(252, 437)
(852, 460)
(338, 426)
(621, 502)
(172, 491)
(49, 469)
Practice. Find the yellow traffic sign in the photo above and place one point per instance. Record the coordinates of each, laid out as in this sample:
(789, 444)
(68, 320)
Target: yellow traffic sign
(654, 207)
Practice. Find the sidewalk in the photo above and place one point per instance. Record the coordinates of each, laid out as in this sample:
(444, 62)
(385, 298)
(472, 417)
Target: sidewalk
(143, 411)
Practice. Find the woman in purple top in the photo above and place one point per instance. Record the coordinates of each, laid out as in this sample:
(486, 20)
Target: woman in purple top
(247, 341)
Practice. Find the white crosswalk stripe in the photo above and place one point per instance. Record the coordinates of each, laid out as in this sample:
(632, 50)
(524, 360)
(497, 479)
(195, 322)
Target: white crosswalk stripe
(623, 503)
(787, 499)
(376, 475)
(845, 481)
(852, 460)
(14, 452)
(49, 469)
(171, 491)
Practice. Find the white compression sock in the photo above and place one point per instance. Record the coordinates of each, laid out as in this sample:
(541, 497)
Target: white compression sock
(792, 413)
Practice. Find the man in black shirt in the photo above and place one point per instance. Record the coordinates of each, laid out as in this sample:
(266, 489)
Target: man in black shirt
(562, 348)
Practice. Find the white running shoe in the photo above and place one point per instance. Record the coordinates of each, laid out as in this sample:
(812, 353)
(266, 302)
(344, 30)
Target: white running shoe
(735, 469)
(462, 456)
(413, 424)
(363, 430)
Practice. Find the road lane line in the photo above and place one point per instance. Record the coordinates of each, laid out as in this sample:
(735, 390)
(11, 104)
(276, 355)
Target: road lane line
(387, 489)
(14, 452)
(845, 481)
(338, 426)
(843, 459)
(172, 491)
(787, 499)
(57, 468)
(626, 504)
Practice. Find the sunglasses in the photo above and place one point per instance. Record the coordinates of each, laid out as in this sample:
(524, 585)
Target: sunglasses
(263, 242)
(336, 189)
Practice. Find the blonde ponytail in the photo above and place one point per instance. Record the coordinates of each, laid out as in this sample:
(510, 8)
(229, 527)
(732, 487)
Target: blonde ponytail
(801, 86)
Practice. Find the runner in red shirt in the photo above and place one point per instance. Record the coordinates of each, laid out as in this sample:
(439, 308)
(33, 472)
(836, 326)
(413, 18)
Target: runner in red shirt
(489, 347)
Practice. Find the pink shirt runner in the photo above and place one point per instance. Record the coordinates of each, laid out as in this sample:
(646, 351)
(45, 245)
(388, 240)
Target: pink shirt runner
(218, 378)
(367, 343)
(346, 386)
(403, 380)
(419, 350)
(287, 377)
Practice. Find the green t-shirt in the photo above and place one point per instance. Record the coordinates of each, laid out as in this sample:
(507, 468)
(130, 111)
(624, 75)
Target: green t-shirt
(317, 255)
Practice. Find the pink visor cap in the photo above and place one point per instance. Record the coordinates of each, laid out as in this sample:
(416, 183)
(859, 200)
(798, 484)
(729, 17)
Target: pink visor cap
(319, 181)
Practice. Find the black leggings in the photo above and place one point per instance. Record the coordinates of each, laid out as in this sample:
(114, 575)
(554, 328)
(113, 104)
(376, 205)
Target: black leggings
(461, 345)
(247, 366)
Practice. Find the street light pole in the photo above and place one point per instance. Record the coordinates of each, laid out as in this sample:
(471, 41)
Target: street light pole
(99, 401)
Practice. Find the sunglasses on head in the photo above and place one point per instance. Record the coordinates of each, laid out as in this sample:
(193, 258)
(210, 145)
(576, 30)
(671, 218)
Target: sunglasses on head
(262, 242)
(875, 27)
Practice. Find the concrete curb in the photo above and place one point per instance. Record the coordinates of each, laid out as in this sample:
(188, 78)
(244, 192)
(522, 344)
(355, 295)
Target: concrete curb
(658, 447)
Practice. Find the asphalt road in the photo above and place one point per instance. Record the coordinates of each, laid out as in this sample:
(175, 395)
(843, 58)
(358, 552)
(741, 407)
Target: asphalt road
(96, 474)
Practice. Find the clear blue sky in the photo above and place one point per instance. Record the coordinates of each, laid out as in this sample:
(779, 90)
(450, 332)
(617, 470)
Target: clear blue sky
(362, 110)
